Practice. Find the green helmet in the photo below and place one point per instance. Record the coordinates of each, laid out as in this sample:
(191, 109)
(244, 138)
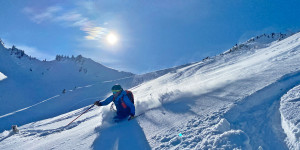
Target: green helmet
(116, 88)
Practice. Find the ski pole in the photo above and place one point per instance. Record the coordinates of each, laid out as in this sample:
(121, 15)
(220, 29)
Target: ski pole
(136, 116)
(81, 114)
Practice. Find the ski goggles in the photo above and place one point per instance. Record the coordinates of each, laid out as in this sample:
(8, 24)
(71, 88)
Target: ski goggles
(115, 91)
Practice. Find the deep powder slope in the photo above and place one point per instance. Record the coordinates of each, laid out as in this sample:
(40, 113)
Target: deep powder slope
(230, 101)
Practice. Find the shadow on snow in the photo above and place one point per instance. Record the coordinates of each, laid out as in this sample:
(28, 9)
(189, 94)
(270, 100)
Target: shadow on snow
(126, 135)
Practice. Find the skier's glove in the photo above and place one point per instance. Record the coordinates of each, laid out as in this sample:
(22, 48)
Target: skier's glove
(97, 103)
(131, 117)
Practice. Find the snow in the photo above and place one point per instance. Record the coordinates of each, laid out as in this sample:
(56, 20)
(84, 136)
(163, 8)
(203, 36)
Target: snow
(245, 98)
(28, 107)
(35, 87)
(2, 76)
(289, 110)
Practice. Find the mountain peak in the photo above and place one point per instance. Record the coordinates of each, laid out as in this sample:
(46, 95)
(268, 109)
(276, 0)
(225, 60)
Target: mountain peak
(14, 51)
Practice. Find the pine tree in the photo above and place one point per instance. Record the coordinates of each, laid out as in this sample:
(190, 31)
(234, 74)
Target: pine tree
(58, 57)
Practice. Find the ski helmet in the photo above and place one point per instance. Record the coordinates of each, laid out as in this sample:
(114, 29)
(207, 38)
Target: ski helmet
(116, 88)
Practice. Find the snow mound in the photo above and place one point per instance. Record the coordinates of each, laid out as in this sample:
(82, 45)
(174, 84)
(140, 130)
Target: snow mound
(290, 116)
(222, 126)
(233, 139)
(220, 136)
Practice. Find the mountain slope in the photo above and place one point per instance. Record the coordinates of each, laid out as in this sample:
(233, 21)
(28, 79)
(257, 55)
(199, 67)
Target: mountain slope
(208, 90)
(231, 101)
(30, 81)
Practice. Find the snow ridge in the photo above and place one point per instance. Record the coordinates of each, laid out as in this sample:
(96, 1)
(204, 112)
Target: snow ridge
(258, 42)
(289, 110)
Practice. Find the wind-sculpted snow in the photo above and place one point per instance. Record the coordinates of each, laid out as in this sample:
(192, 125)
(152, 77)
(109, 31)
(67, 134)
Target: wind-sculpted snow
(230, 101)
(258, 114)
(290, 115)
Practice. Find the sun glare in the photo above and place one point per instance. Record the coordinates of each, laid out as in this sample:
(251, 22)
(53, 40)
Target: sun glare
(112, 38)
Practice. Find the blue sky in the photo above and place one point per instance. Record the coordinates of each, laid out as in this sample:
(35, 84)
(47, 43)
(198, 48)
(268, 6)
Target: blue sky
(151, 35)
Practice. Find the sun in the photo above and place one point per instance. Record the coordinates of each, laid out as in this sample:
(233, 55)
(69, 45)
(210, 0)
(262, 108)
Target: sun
(112, 38)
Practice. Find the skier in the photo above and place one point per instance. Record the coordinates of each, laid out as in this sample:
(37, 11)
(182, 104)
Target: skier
(123, 102)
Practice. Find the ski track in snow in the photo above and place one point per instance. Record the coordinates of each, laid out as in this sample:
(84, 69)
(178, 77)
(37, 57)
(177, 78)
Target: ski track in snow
(51, 98)
(12, 113)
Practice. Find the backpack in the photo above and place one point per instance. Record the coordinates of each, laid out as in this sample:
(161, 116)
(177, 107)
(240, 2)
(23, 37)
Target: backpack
(130, 96)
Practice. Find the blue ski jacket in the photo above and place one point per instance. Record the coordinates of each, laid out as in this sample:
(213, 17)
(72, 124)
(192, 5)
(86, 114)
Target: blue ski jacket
(122, 110)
